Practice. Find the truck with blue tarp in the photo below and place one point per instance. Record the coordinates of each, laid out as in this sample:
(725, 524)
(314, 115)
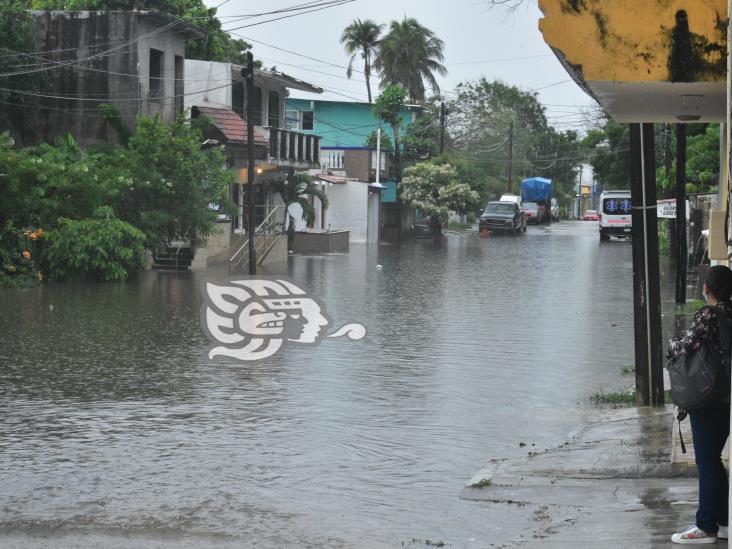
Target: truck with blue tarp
(539, 191)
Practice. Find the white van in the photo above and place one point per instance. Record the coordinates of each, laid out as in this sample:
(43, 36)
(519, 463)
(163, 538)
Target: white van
(615, 211)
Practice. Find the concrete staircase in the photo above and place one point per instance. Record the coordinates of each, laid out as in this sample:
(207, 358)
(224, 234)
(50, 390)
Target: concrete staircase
(173, 258)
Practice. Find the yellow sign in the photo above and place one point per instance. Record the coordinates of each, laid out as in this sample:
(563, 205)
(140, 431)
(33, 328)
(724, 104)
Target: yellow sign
(586, 190)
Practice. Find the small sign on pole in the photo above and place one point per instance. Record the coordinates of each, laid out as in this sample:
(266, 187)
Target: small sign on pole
(667, 208)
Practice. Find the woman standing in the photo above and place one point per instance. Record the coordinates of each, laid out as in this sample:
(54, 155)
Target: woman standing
(709, 429)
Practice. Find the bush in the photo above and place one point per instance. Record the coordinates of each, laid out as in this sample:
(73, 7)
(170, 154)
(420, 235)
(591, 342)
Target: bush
(103, 248)
(18, 253)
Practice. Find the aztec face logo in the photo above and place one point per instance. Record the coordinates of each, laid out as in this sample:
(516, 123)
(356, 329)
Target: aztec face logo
(251, 319)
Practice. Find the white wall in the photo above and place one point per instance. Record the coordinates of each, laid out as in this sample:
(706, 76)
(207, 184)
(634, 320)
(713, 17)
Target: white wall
(347, 210)
(205, 75)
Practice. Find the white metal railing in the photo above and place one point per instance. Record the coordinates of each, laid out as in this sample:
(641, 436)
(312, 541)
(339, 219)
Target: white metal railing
(265, 236)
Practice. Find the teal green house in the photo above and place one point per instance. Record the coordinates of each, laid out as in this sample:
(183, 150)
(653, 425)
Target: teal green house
(340, 124)
(344, 128)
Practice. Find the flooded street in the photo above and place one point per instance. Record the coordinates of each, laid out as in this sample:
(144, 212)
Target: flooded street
(117, 432)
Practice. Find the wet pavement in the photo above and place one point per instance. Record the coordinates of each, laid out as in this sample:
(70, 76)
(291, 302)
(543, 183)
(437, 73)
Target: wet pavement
(117, 432)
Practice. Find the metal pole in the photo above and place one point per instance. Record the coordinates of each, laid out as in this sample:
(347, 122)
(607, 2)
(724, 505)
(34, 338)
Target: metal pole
(443, 114)
(646, 278)
(510, 157)
(681, 214)
(378, 155)
(250, 164)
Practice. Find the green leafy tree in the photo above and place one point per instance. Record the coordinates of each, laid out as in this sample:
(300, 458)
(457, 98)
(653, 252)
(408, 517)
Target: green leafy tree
(101, 248)
(361, 37)
(162, 182)
(410, 54)
(421, 139)
(436, 190)
(388, 108)
(609, 154)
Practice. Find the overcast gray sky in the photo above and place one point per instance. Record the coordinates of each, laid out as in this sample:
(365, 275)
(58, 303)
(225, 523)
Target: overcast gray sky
(505, 46)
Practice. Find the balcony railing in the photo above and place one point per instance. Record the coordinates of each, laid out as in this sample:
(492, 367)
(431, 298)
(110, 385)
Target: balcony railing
(291, 147)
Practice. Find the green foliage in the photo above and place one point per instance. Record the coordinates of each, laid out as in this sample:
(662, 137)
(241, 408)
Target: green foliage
(702, 162)
(386, 144)
(390, 103)
(18, 252)
(161, 183)
(111, 114)
(103, 248)
(609, 150)
(410, 54)
(421, 139)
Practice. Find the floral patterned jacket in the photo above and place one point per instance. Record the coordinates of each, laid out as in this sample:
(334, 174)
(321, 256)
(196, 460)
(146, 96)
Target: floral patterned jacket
(703, 328)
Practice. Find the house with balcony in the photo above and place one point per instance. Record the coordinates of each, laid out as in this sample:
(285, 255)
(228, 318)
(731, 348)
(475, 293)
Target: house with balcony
(348, 165)
(215, 93)
(145, 77)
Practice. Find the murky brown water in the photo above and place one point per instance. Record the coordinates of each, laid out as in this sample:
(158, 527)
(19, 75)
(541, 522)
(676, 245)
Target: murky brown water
(116, 432)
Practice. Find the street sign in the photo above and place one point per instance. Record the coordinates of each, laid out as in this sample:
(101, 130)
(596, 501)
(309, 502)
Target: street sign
(667, 208)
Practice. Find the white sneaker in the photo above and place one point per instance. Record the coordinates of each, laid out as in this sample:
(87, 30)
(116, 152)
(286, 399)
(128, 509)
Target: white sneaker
(723, 532)
(693, 536)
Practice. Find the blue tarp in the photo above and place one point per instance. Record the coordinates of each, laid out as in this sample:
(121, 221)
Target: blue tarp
(536, 189)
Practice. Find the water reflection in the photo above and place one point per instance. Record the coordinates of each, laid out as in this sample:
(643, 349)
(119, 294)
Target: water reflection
(115, 423)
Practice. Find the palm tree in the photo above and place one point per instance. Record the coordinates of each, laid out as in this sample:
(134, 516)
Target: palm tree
(361, 36)
(408, 55)
(296, 188)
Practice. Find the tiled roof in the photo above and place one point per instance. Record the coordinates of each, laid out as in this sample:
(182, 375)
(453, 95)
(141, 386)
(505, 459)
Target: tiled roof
(231, 125)
(330, 178)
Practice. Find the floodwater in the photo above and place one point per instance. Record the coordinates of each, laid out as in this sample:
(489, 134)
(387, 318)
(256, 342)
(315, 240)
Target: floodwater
(116, 432)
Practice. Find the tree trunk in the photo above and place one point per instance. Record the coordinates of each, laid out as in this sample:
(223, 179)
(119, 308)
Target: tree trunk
(367, 72)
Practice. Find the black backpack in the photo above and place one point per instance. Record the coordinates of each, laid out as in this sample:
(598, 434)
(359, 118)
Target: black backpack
(700, 379)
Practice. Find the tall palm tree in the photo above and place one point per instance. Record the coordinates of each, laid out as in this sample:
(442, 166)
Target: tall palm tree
(361, 37)
(408, 55)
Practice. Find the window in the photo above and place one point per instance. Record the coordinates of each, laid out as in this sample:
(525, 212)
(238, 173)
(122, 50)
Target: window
(292, 120)
(237, 98)
(179, 91)
(156, 74)
(257, 114)
(274, 110)
(307, 120)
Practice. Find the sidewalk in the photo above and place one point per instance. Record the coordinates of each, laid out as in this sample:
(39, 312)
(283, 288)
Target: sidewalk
(619, 482)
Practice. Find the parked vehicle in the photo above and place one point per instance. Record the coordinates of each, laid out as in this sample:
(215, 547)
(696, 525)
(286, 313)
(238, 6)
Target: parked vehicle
(615, 214)
(532, 212)
(502, 216)
(555, 210)
(590, 215)
(538, 190)
(516, 199)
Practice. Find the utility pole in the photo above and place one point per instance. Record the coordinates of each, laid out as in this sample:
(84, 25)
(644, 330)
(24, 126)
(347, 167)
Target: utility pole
(681, 251)
(510, 157)
(248, 74)
(443, 115)
(646, 278)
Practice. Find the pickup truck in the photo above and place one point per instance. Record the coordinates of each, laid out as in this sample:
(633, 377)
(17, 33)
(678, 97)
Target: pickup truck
(502, 216)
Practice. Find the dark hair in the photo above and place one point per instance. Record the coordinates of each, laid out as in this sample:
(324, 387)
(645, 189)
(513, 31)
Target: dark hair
(719, 282)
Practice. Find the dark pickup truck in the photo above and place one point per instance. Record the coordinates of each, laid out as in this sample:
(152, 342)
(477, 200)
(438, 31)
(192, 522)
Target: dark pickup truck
(502, 216)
